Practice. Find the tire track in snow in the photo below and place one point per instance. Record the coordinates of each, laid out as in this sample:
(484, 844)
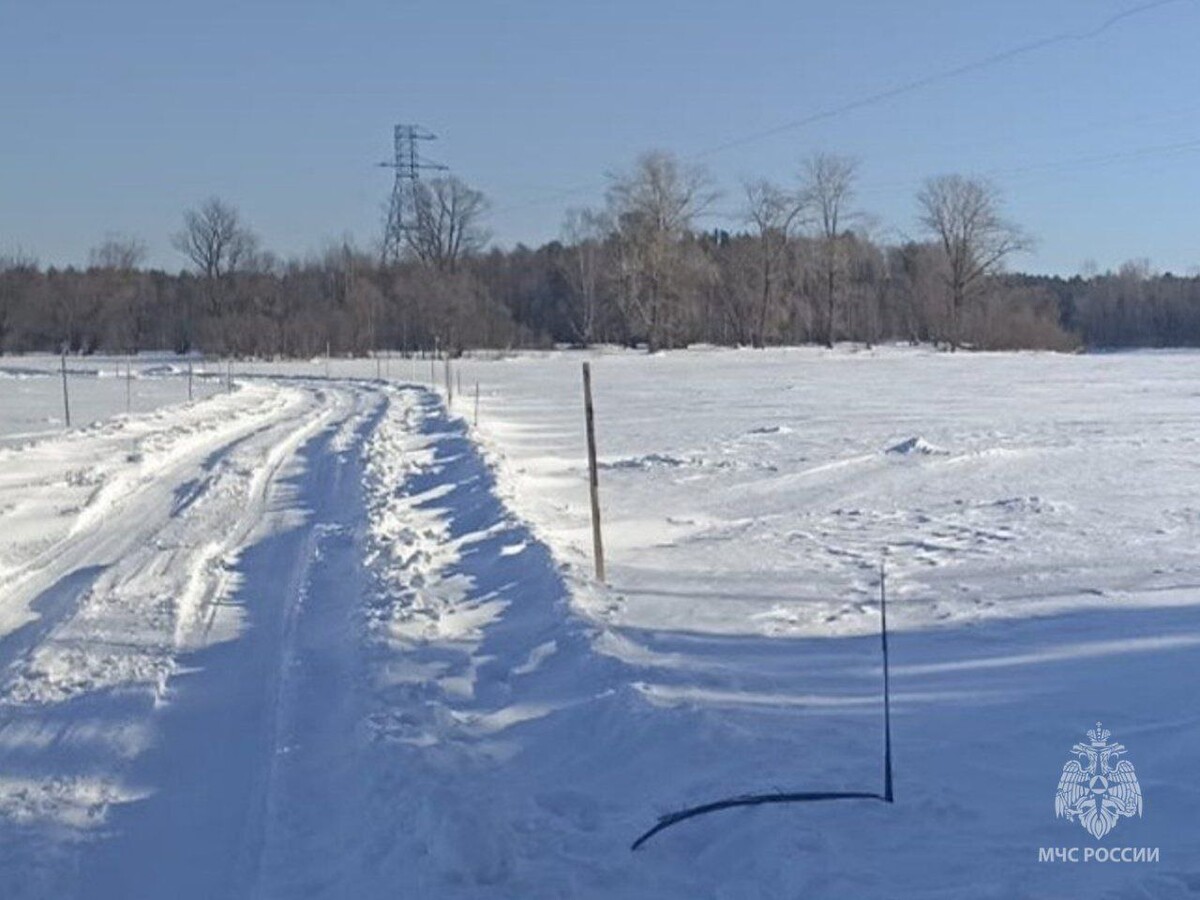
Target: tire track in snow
(85, 679)
(223, 733)
(126, 508)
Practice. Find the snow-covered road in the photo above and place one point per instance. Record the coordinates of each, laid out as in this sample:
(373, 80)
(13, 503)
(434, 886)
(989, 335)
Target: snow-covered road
(130, 558)
(326, 638)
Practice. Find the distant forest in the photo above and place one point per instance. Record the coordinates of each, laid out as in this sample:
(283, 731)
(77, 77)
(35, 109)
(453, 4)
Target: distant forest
(801, 268)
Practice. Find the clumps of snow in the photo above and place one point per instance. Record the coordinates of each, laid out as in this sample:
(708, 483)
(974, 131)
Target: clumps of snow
(658, 461)
(1032, 504)
(75, 801)
(648, 461)
(164, 370)
(917, 446)
(21, 374)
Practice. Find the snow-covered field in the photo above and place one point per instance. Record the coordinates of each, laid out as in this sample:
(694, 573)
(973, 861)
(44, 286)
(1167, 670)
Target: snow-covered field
(326, 637)
(31, 399)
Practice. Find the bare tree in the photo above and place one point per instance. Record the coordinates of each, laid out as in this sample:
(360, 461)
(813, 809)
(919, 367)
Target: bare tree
(828, 190)
(774, 214)
(447, 229)
(964, 215)
(214, 238)
(584, 231)
(18, 272)
(217, 243)
(120, 252)
(653, 207)
(122, 289)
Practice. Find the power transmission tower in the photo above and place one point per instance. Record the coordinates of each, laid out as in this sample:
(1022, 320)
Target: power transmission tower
(408, 164)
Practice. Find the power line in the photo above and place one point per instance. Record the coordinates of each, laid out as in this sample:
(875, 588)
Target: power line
(938, 77)
(1021, 173)
(891, 93)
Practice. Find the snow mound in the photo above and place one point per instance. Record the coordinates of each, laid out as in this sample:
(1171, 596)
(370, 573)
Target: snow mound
(916, 446)
(648, 461)
(159, 371)
(20, 374)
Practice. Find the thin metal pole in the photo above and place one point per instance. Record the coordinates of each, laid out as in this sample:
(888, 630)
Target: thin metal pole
(66, 398)
(593, 476)
(190, 395)
(128, 385)
(229, 375)
(449, 383)
(477, 404)
(887, 695)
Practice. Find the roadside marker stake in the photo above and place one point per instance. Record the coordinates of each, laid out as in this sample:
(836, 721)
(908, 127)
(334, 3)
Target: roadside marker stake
(593, 476)
(66, 398)
(887, 796)
(887, 694)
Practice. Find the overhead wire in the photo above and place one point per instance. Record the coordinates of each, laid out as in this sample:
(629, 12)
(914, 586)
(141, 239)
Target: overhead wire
(886, 94)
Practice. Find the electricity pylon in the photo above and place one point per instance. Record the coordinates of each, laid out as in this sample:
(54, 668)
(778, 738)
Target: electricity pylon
(408, 164)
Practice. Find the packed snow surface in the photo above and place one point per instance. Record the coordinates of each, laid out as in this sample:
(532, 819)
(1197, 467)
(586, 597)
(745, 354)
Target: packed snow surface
(331, 633)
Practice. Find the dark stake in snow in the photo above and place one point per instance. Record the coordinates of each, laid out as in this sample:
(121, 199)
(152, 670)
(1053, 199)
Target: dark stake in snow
(887, 690)
(692, 812)
(593, 477)
(66, 399)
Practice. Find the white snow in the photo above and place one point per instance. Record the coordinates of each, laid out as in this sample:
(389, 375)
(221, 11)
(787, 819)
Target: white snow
(31, 400)
(321, 638)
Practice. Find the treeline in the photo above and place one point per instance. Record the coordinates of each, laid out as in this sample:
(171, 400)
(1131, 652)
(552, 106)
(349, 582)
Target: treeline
(1132, 307)
(801, 267)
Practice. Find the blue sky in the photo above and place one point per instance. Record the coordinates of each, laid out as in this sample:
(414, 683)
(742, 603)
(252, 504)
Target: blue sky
(119, 115)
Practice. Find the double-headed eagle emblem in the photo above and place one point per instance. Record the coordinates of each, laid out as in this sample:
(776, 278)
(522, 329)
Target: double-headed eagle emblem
(1095, 787)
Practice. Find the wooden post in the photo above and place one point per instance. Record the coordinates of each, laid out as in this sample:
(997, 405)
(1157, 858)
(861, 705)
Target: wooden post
(190, 395)
(477, 404)
(593, 477)
(66, 398)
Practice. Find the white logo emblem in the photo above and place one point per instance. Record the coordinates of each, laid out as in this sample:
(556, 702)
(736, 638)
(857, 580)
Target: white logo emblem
(1096, 788)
